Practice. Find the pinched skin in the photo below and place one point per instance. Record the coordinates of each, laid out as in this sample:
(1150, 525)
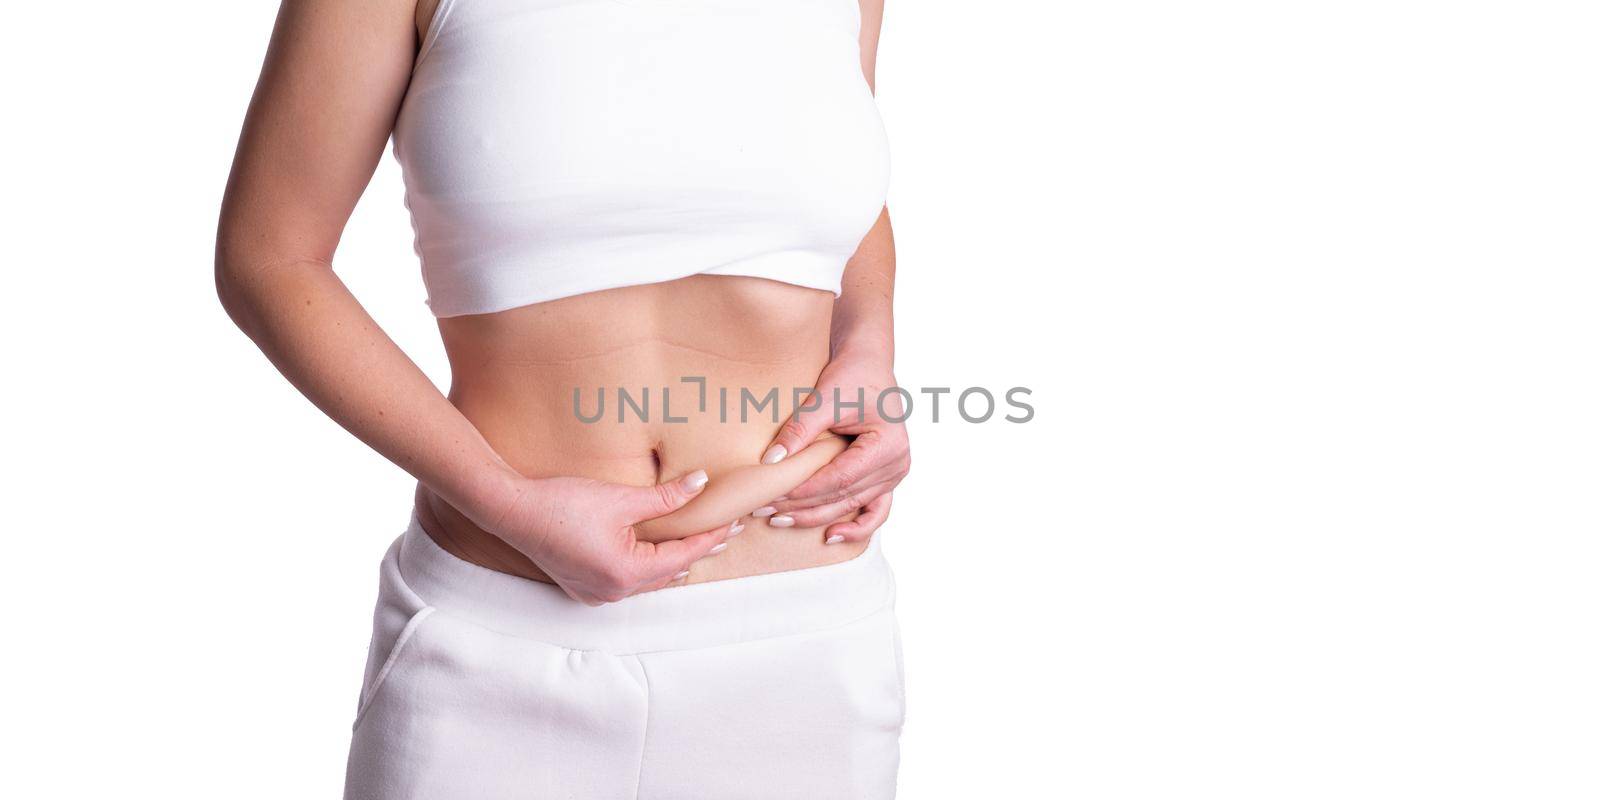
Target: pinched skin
(735, 492)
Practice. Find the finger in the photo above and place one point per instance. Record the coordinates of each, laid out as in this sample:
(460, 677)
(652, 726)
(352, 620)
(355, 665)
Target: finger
(671, 580)
(866, 455)
(873, 515)
(830, 512)
(648, 502)
(661, 562)
(889, 474)
(804, 426)
(680, 576)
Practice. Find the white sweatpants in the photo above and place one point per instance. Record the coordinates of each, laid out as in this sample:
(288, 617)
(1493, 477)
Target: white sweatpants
(481, 686)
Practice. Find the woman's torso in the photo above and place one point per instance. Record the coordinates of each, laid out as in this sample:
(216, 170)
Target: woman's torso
(612, 197)
(514, 375)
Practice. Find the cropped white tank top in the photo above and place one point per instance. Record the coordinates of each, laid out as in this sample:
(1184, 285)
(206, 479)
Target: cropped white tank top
(556, 147)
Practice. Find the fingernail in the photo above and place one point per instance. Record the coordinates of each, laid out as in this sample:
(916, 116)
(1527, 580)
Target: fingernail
(738, 528)
(775, 454)
(696, 480)
(680, 576)
(721, 546)
(781, 521)
(835, 539)
(764, 511)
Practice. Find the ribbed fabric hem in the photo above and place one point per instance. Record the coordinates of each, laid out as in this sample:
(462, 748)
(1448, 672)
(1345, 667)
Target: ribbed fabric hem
(676, 618)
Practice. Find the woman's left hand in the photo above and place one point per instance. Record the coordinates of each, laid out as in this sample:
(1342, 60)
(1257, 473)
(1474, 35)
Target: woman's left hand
(860, 478)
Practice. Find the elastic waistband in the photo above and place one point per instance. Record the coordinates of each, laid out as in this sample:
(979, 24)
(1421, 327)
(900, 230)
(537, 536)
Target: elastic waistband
(675, 618)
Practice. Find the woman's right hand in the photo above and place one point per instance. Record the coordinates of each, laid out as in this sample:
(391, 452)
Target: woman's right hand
(580, 532)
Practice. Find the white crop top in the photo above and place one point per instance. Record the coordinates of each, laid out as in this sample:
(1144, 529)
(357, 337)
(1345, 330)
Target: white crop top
(556, 147)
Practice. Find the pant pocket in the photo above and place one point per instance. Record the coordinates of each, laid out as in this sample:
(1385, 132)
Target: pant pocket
(398, 614)
(377, 672)
(462, 711)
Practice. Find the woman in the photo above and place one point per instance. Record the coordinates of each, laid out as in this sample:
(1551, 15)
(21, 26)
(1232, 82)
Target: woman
(601, 595)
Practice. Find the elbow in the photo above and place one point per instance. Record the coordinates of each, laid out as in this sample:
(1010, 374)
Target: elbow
(231, 292)
(261, 259)
(241, 273)
(227, 291)
(254, 284)
(241, 282)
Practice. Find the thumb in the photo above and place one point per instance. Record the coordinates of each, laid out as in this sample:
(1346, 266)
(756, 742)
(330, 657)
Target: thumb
(808, 422)
(648, 502)
(665, 562)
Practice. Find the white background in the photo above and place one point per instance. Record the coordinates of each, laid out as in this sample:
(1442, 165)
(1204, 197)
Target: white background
(1306, 294)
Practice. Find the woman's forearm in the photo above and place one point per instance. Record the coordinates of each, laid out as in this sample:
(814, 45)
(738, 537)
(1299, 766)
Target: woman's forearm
(861, 365)
(315, 332)
(863, 316)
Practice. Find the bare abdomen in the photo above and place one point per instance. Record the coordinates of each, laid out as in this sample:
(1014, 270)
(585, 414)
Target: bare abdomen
(643, 359)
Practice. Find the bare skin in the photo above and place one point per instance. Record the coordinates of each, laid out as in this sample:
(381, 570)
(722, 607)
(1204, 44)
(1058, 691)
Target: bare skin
(507, 475)
(515, 372)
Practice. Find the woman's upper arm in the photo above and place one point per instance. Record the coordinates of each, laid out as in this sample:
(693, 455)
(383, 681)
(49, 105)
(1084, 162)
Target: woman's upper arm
(871, 24)
(330, 88)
